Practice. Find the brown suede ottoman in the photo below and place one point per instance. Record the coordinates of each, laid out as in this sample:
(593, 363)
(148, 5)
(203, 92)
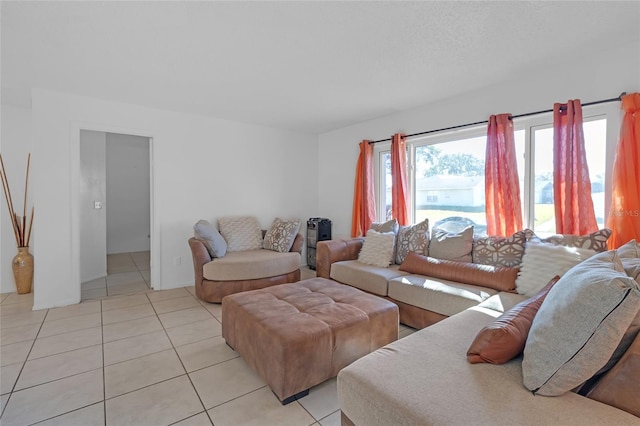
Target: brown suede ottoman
(298, 335)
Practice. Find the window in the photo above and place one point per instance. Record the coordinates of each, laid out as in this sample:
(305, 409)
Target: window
(446, 173)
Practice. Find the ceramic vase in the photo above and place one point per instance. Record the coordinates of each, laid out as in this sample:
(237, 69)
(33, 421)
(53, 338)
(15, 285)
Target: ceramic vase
(23, 270)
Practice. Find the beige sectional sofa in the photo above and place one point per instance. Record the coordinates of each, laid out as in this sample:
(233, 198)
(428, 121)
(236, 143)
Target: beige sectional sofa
(425, 379)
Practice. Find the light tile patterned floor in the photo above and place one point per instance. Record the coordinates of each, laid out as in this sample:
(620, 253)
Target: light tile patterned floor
(127, 273)
(152, 358)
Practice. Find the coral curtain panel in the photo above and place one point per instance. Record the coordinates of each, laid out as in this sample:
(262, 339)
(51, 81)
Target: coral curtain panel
(502, 187)
(571, 183)
(364, 200)
(399, 179)
(624, 216)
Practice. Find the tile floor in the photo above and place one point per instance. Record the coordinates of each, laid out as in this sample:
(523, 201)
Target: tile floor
(127, 273)
(148, 358)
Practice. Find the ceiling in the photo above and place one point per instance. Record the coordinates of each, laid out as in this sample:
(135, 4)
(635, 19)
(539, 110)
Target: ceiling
(308, 66)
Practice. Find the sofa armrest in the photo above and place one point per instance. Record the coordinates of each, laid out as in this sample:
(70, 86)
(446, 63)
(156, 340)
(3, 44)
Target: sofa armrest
(330, 251)
(200, 257)
(298, 243)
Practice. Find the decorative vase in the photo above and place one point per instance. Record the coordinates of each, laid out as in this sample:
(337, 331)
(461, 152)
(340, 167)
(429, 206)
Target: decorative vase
(23, 270)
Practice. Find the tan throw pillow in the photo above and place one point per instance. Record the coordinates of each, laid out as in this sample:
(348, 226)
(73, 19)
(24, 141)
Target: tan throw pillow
(449, 246)
(495, 277)
(579, 325)
(377, 249)
(596, 241)
(388, 226)
(413, 238)
(501, 251)
(504, 338)
(630, 256)
(241, 232)
(620, 387)
(281, 235)
(541, 262)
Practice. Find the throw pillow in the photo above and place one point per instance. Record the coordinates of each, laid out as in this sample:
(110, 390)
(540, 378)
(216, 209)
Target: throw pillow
(388, 226)
(211, 238)
(281, 235)
(241, 232)
(377, 249)
(501, 251)
(620, 387)
(495, 277)
(596, 241)
(504, 338)
(579, 325)
(450, 246)
(630, 256)
(543, 261)
(413, 238)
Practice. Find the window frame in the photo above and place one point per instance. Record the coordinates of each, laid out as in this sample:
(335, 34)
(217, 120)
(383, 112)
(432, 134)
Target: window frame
(609, 111)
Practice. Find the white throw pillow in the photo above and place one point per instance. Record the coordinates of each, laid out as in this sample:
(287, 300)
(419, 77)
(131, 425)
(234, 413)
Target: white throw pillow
(241, 232)
(543, 261)
(377, 249)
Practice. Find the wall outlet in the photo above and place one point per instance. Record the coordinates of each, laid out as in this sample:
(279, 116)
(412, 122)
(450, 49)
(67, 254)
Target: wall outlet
(97, 205)
(177, 260)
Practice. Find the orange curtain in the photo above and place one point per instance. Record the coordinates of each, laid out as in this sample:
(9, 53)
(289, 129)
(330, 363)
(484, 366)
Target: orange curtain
(399, 179)
(502, 188)
(571, 183)
(624, 216)
(364, 199)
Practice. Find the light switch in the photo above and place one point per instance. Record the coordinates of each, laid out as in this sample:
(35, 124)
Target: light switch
(97, 205)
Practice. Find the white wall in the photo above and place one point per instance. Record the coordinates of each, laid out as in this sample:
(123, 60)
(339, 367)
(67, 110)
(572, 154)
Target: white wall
(202, 168)
(601, 75)
(93, 222)
(15, 145)
(128, 193)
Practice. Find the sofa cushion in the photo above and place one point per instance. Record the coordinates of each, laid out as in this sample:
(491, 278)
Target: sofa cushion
(543, 261)
(620, 386)
(241, 232)
(377, 249)
(211, 238)
(251, 265)
(450, 246)
(596, 241)
(279, 237)
(414, 238)
(630, 257)
(369, 278)
(579, 325)
(438, 295)
(504, 338)
(501, 251)
(495, 277)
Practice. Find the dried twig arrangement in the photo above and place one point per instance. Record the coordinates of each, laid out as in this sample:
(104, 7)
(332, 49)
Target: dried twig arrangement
(20, 229)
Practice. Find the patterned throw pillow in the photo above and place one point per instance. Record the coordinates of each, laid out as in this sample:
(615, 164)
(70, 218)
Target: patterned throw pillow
(241, 232)
(413, 238)
(501, 251)
(596, 241)
(377, 249)
(281, 235)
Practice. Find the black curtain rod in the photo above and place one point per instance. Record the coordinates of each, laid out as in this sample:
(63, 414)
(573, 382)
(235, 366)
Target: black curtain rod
(460, 126)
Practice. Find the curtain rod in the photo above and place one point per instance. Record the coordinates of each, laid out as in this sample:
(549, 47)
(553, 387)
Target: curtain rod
(459, 126)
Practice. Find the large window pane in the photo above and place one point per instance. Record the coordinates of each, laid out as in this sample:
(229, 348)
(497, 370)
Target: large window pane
(449, 184)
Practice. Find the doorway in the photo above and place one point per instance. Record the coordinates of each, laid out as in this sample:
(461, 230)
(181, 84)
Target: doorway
(114, 214)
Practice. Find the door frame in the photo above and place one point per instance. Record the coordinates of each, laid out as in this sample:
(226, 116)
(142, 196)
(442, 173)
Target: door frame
(154, 232)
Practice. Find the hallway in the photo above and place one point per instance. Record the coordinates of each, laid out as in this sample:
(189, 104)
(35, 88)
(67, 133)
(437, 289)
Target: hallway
(127, 273)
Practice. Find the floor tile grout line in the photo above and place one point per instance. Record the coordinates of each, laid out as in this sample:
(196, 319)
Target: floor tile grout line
(104, 378)
(62, 352)
(63, 414)
(23, 365)
(191, 416)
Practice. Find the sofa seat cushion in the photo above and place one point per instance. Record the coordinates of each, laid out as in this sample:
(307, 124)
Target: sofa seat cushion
(372, 279)
(425, 379)
(441, 296)
(251, 265)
